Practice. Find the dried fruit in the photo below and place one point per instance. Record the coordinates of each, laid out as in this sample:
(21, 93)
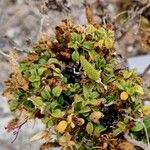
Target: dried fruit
(95, 116)
(124, 96)
(61, 127)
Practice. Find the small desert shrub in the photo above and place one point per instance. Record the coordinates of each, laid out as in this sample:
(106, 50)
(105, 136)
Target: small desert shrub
(74, 84)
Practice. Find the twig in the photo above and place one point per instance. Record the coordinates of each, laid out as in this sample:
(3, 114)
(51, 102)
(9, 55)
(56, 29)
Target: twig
(135, 142)
(5, 55)
(126, 27)
(16, 133)
(118, 15)
(141, 121)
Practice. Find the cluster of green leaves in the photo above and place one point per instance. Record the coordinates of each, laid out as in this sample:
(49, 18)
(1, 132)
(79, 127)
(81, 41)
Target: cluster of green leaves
(80, 105)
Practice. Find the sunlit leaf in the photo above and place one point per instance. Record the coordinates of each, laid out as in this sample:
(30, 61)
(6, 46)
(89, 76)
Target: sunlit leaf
(85, 109)
(91, 72)
(98, 129)
(146, 110)
(90, 29)
(139, 89)
(137, 127)
(108, 43)
(75, 56)
(57, 113)
(41, 70)
(57, 91)
(45, 93)
(87, 45)
(121, 128)
(37, 101)
(89, 128)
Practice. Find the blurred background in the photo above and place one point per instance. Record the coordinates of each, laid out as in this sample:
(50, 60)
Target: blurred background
(22, 21)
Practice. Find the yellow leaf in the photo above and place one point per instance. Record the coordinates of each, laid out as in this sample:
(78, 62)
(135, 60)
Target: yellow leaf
(40, 135)
(61, 126)
(89, 128)
(63, 141)
(139, 89)
(69, 120)
(124, 96)
(99, 43)
(146, 110)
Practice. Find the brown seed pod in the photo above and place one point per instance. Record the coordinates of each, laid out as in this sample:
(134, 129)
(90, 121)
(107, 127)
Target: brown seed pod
(95, 116)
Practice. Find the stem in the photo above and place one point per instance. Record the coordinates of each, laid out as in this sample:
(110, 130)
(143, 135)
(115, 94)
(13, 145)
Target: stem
(145, 129)
(16, 133)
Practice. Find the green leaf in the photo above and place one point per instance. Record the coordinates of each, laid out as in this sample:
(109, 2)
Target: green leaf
(34, 71)
(75, 40)
(75, 37)
(37, 101)
(45, 93)
(91, 72)
(52, 105)
(92, 54)
(82, 148)
(86, 92)
(57, 91)
(57, 113)
(28, 105)
(100, 43)
(74, 87)
(147, 124)
(75, 56)
(101, 32)
(109, 68)
(87, 45)
(108, 43)
(94, 94)
(110, 34)
(44, 58)
(89, 128)
(138, 89)
(121, 85)
(35, 84)
(90, 29)
(47, 121)
(41, 70)
(121, 128)
(98, 129)
(13, 105)
(54, 61)
(127, 74)
(85, 109)
(137, 127)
